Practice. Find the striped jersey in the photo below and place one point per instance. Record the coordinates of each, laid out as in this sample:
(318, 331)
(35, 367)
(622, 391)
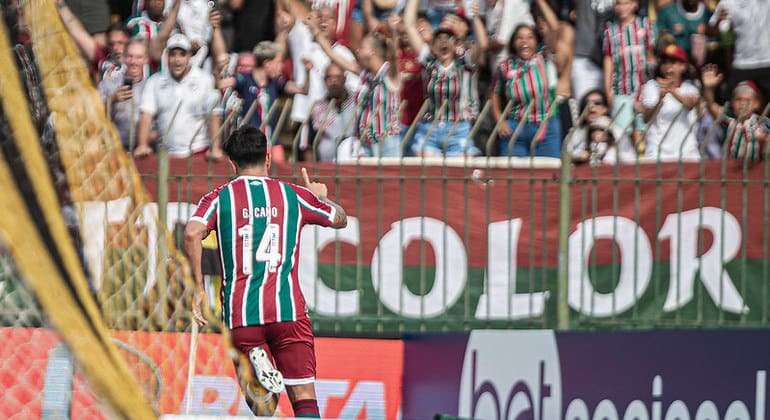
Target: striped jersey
(456, 85)
(258, 221)
(528, 82)
(377, 105)
(743, 138)
(142, 27)
(629, 46)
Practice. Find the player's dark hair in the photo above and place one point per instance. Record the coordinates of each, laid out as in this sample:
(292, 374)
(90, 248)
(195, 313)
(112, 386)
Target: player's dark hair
(246, 147)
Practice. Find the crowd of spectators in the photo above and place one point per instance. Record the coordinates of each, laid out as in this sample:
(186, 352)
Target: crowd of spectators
(337, 79)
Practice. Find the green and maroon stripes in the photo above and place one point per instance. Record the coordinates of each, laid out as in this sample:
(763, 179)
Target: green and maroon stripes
(453, 85)
(529, 81)
(377, 104)
(742, 139)
(629, 45)
(143, 27)
(270, 286)
(291, 228)
(226, 240)
(253, 309)
(241, 250)
(257, 218)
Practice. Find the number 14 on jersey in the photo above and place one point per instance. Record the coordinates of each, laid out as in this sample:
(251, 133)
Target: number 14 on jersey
(268, 251)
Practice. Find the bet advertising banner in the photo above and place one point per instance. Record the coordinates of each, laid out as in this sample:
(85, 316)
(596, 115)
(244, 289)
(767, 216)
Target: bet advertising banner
(546, 375)
(356, 378)
(491, 236)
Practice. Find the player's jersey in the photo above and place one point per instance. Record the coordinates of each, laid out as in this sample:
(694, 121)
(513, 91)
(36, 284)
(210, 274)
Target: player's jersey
(258, 221)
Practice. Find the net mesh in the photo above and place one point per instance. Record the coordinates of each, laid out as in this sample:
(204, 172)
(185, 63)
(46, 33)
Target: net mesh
(140, 281)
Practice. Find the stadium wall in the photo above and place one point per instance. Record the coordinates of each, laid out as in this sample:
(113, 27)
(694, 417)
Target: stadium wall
(492, 236)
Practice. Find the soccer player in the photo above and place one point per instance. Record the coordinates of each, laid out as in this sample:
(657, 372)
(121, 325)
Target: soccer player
(258, 221)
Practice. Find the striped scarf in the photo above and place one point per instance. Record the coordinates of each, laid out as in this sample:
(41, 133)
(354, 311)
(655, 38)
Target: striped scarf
(742, 139)
(142, 27)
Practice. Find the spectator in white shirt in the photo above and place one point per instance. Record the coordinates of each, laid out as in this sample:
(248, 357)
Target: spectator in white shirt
(184, 102)
(302, 45)
(750, 19)
(122, 91)
(333, 118)
(669, 102)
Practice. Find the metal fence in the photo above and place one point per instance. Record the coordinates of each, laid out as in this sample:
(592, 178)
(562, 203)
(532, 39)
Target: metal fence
(447, 244)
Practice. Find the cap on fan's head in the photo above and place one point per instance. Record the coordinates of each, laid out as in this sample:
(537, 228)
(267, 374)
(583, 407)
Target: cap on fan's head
(179, 41)
(444, 30)
(748, 86)
(675, 52)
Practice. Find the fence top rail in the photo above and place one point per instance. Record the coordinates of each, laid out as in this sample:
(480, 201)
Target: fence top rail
(458, 162)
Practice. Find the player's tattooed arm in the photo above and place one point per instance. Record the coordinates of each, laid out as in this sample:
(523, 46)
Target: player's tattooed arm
(340, 217)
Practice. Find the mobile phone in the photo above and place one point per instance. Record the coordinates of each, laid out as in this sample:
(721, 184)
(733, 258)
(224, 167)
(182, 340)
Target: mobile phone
(128, 82)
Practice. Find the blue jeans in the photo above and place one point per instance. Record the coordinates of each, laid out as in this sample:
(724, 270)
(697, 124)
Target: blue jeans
(388, 147)
(409, 146)
(453, 136)
(550, 145)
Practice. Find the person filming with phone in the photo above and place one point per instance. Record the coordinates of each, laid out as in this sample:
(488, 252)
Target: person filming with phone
(122, 91)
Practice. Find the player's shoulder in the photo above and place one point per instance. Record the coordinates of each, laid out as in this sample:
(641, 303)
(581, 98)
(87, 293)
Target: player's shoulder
(301, 192)
(216, 191)
(290, 185)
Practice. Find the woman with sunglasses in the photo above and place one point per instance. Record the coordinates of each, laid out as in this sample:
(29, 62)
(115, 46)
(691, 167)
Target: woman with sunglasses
(596, 139)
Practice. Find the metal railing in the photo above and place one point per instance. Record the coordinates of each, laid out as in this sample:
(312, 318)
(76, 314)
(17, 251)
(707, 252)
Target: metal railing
(447, 244)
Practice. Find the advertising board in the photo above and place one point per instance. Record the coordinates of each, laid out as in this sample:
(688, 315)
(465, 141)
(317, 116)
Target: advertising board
(356, 378)
(547, 375)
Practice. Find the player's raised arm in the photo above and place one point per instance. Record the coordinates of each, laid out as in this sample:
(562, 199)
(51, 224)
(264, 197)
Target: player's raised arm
(320, 209)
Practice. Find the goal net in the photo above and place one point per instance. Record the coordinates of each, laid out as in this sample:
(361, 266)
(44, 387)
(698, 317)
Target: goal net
(94, 297)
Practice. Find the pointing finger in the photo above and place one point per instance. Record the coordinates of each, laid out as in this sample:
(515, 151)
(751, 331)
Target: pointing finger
(305, 177)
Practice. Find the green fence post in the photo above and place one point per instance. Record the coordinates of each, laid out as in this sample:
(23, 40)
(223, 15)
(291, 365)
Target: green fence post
(565, 213)
(163, 252)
